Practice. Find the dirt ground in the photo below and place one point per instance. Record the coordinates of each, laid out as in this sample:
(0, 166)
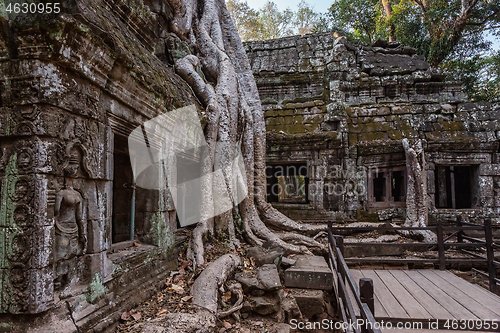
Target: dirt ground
(174, 297)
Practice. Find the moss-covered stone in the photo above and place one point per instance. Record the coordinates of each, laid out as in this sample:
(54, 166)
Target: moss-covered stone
(364, 216)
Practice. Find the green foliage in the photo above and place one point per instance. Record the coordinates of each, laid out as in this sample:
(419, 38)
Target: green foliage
(269, 22)
(245, 19)
(275, 23)
(358, 19)
(479, 75)
(450, 33)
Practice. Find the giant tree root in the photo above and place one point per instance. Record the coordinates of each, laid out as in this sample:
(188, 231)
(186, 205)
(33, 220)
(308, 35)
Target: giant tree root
(220, 75)
(205, 292)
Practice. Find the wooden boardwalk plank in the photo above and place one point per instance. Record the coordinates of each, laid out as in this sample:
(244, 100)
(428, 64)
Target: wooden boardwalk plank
(380, 311)
(436, 310)
(488, 299)
(456, 293)
(411, 306)
(356, 274)
(387, 299)
(455, 308)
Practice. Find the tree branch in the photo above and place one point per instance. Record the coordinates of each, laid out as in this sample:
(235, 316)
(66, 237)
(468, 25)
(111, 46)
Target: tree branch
(422, 5)
(483, 29)
(485, 20)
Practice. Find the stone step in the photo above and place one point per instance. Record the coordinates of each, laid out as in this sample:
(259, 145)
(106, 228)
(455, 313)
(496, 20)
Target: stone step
(309, 272)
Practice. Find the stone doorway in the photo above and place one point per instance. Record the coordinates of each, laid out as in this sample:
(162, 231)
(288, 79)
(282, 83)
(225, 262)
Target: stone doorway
(122, 190)
(457, 187)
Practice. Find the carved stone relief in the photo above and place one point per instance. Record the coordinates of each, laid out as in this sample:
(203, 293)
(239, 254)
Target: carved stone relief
(70, 219)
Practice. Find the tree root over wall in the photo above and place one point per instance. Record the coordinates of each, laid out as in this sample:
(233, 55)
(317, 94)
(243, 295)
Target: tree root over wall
(220, 75)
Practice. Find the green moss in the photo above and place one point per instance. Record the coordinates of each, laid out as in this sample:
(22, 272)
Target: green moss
(7, 205)
(96, 289)
(372, 136)
(395, 135)
(353, 139)
(364, 216)
(453, 126)
(163, 237)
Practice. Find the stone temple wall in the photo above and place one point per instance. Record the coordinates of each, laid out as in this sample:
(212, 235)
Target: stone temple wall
(71, 84)
(344, 109)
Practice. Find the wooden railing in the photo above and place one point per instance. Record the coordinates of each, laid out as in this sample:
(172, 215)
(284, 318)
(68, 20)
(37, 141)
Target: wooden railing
(343, 280)
(463, 243)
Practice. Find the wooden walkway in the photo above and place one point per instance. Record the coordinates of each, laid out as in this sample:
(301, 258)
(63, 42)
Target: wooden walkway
(428, 295)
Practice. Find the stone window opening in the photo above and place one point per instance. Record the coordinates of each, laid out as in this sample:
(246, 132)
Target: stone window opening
(287, 183)
(122, 190)
(332, 125)
(387, 187)
(456, 186)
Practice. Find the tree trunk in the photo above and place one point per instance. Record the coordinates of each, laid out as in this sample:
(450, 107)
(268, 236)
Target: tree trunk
(231, 98)
(416, 189)
(388, 13)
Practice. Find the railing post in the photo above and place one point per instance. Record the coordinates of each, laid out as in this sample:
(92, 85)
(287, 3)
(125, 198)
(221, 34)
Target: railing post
(340, 244)
(460, 233)
(442, 263)
(366, 296)
(488, 235)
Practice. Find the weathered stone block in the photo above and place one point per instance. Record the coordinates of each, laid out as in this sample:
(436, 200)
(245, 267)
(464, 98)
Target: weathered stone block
(264, 256)
(310, 302)
(268, 277)
(310, 272)
(265, 305)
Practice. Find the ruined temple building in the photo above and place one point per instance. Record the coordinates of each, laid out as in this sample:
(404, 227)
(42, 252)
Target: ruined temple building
(74, 86)
(337, 114)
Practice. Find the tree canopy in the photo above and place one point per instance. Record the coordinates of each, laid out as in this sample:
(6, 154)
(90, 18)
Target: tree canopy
(269, 22)
(439, 29)
(450, 33)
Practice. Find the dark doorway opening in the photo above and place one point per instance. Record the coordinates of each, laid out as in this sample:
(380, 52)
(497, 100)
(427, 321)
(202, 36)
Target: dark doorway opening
(398, 187)
(456, 186)
(379, 189)
(287, 183)
(122, 190)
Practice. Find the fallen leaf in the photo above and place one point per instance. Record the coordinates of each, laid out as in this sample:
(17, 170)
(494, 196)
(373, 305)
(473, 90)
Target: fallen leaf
(176, 288)
(185, 263)
(227, 296)
(126, 315)
(186, 298)
(292, 255)
(226, 324)
(252, 260)
(162, 312)
(209, 247)
(136, 316)
(137, 244)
